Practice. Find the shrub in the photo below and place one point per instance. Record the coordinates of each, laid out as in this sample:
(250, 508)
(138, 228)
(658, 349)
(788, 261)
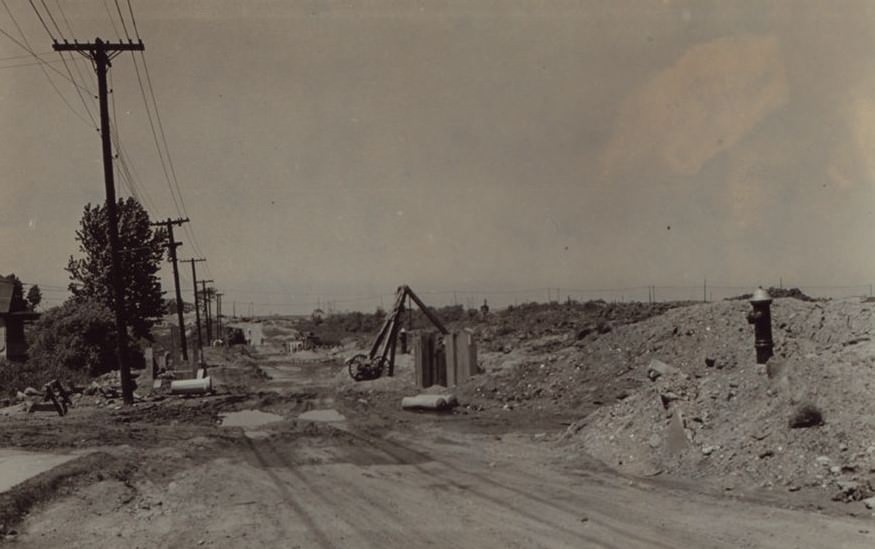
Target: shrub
(76, 337)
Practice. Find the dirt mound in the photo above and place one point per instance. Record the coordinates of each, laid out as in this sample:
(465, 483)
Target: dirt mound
(515, 326)
(713, 413)
(776, 293)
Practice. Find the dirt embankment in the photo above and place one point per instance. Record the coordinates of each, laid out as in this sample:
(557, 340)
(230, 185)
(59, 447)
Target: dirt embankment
(710, 412)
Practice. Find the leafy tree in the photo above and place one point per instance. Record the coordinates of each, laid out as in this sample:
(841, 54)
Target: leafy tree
(34, 297)
(142, 250)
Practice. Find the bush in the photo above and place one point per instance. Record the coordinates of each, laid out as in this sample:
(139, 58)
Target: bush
(17, 376)
(78, 337)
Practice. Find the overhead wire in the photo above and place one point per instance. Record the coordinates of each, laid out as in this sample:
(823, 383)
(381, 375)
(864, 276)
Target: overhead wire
(122, 19)
(138, 190)
(111, 20)
(52, 18)
(32, 64)
(25, 45)
(92, 93)
(24, 56)
(64, 60)
(154, 133)
(43, 21)
(170, 169)
(134, 21)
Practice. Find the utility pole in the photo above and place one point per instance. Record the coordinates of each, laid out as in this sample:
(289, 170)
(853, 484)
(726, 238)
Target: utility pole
(197, 312)
(219, 315)
(207, 318)
(101, 53)
(172, 244)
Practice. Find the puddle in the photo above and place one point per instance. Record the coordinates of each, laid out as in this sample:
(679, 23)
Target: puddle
(17, 466)
(329, 415)
(286, 373)
(249, 418)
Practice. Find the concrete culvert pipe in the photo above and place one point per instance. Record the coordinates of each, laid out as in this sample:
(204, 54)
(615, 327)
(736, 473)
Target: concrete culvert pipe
(200, 386)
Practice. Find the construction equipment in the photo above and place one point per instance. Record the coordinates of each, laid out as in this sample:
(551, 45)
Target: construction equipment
(381, 358)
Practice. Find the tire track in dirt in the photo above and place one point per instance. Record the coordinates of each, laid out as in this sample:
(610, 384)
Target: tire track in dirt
(397, 451)
(290, 501)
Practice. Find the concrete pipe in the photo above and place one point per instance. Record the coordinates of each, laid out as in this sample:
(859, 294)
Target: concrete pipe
(429, 402)
(191, 386)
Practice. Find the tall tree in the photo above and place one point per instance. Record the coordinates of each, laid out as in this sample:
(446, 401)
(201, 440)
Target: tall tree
(34, 297)
(142, 250)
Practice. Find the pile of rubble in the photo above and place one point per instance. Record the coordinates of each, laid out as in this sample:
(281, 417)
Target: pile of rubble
(700, 407)
(515, 326)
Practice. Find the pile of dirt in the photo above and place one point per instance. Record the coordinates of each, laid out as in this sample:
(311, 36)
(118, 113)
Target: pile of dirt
(514, 326)
(695, 404)
(776, 293)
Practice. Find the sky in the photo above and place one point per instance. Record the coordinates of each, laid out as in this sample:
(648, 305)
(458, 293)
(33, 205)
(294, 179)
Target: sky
(328, 152)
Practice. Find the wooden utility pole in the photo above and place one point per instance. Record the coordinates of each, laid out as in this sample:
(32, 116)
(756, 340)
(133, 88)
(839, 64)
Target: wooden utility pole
(171, 250)
(207, 319)
(219, 315)
(197, 312)
(101, 53)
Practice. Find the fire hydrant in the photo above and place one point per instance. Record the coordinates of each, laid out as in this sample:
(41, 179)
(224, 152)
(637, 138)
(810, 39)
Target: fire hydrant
(761, 318)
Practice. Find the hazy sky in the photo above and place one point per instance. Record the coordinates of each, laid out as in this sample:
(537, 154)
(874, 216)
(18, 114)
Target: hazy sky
(343, 148)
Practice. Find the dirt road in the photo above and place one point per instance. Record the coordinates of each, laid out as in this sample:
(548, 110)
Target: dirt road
(346, 484)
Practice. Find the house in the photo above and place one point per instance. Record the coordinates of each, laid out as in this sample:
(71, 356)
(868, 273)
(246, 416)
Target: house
(13, 345)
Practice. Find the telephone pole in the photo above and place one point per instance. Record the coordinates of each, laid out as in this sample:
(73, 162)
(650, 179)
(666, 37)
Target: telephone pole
(207, 300)
(101, 53)
(219, 315)
(172, 244)
(197, 312)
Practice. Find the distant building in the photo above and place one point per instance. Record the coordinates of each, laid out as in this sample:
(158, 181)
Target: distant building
(12, 341)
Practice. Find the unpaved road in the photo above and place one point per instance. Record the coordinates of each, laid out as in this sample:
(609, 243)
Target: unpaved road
(345, 485)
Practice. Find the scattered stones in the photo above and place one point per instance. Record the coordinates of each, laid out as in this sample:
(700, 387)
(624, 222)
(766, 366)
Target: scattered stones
(869, 503)
(657, 369)
(667, 398)
(851, 490)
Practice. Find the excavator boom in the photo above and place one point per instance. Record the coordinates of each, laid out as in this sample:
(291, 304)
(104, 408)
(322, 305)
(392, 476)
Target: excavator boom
(382, 354)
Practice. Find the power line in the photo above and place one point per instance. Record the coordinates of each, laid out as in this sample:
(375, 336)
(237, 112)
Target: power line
(25, 45)
(161, 129)
(43, 64)
(33, 64)
(93, 94)
(52, 18)
(25, 56)
(154, 133)
(122, 19)
(134, 20)
(41, 20)
(78, 91)
(111, 20)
